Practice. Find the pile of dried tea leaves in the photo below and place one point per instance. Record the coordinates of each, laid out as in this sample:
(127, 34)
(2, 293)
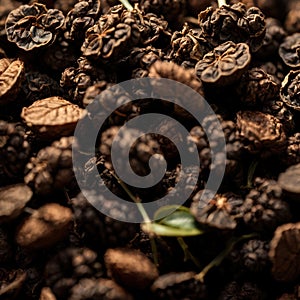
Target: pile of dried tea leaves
(62, 60)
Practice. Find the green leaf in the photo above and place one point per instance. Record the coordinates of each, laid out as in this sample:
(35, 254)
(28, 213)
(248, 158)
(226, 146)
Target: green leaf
(163, 230)
(167, 210)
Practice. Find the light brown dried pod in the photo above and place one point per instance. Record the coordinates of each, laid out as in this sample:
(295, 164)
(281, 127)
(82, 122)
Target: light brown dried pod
(261, 132)
(52, 117)
(11, 77)
(130, 268)
(13, 199)
(285, 252)
(46, 226)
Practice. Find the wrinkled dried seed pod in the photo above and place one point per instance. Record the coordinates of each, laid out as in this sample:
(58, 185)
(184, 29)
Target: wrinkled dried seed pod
(224, 65)
(290, 89)
(263, 209)
(130, 268)
(13, 199)
(80, 18)
(68, 266)
(45, 227)
(52, 117)
(11, 77)
(220, 211)
(52, 169)
(256, 87)
(261, 132)
(33, 26)
(289, 51)
(285, 252)
(233, 23)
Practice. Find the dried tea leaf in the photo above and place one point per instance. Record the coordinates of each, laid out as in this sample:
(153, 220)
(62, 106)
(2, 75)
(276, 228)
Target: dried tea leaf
(11, 77)
(52, 117)
(33, 26)
(290, 89)
(285, 252)
(44, 227)
(13, 199)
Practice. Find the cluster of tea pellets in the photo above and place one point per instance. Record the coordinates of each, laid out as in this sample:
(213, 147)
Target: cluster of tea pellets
(15, 150)
(263, 210)
(233, 23)
(67, 267)
(51, 169)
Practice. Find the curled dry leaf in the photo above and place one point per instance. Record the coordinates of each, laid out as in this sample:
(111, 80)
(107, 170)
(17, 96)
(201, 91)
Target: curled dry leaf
(33, 26)
(285, 252)
(289, 51)
(290, 89)
(11, 76)
(46, 226)
(52, 117)
(13, 199)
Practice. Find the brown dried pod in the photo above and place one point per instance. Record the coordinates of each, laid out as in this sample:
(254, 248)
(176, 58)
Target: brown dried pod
(256, 87)
(68, 266)
(188, 44)
(289, 181)
(13, 199)
(289, 51)
(99, 289)
(15, 151)
(51, 170)
(277, 108)
(76, 80)
(262, 133)
(290, 89)
(11, 76)
(52, 117)
(263, 209)
(81, 18)
(220, 211)
(33, 26)
(285, 252)
(180, 285)
(130, 268)
(45, 227)
(114, 34)
(233, 23)
(224, 65)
